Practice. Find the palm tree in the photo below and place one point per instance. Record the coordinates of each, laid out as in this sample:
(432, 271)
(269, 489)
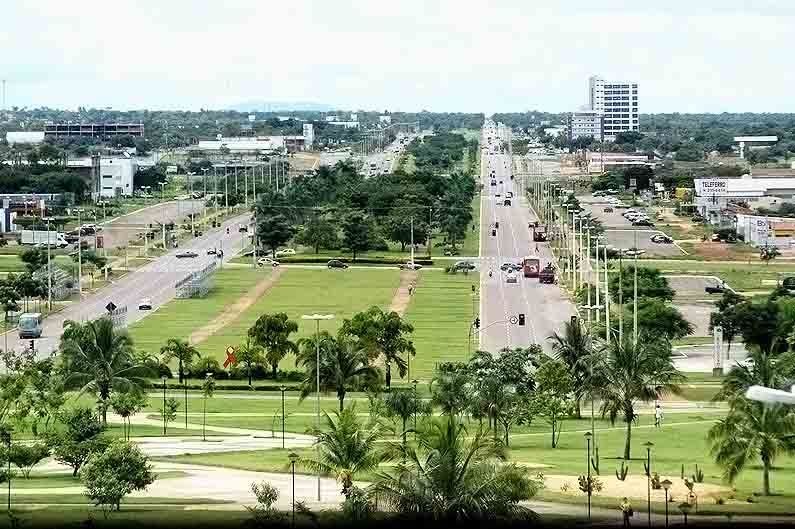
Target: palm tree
(99, 359)
(451, 475)
(382, 334)
(451, 389)
(182, 351)
(573, 348)
(403, 404)
(751, 431)
(250, 354)
(272, 332)
(345, 448)
(635, 372)
(343, 366)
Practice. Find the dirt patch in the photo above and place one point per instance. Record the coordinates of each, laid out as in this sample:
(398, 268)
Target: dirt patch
(233, 311)
(402, 297)
(634, 487)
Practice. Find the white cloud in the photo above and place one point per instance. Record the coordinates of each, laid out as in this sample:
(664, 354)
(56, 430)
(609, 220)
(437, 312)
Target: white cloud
(413, 54)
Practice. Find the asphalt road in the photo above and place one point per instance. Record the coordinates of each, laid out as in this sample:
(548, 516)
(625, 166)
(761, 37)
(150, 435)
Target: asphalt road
(155, 281)
(545, 307)
(121, 230)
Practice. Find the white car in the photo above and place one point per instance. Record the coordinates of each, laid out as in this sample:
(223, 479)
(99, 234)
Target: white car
(285, 252)
(410, 266)
(145, 304)
(267, 261)
(630, 252)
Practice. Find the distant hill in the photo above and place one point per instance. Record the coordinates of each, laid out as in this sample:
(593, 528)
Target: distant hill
(277, 106)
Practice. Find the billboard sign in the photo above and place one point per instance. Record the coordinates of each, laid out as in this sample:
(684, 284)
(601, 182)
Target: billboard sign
(712, 187)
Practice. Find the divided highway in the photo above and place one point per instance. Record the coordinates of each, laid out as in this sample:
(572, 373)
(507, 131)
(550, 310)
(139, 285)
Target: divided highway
(545, 307)
(155, 281)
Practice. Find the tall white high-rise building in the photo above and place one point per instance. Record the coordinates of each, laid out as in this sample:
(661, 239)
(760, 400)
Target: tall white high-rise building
(617, 102)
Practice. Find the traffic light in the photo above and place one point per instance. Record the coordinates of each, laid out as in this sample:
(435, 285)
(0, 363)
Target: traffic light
(496, 224)
(473, 289)
(477, 323)
(521, 319)
(32, 345)
(493, 233)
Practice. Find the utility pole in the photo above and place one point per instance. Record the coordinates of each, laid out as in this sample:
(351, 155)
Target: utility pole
(635, 296)
(80, 253)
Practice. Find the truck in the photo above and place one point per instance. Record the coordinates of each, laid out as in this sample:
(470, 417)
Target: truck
(547, 274)
(539, 233)
(44, 237)
(530, 265)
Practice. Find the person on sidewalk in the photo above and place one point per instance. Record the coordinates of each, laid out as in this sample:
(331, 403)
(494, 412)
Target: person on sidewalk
(626, 511)
(658, 415)
(411, 289)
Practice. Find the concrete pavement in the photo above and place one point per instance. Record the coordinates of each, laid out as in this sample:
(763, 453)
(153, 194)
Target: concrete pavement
(545, 307)
(155, 281)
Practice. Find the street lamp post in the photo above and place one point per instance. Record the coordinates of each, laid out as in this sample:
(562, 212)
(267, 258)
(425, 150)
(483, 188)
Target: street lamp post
(293, 458)
(666, 484)
(49, 266)
(648, 445)
(162, 199)
(588, 436)
(5, 433)
(283, 389)
(414, 383)
(164, 404)
(80, 254)
(317, 318)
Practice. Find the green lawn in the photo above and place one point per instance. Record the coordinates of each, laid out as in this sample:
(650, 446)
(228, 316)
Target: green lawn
(180, 317)
(58, 481)
(741, 277)
(441, 312)
(306, 291)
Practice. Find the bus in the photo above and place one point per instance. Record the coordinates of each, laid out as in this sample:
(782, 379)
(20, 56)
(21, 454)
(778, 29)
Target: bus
(30, 325)
(531, 265)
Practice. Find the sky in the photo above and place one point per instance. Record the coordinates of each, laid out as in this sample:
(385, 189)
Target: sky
(399, 55)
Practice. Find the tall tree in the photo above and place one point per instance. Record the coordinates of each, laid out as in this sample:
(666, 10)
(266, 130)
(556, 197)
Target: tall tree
(574, 348)
(651, 284)
(382, 334)
(635, 372)
(249, 353)
(347, 448)
(183, 352)
(402, 404)
(98, 359)
(343, 366)
(318, 232)
(357, 232)
(272, 333)
(551, 399)
(752, 431)
(274, 231)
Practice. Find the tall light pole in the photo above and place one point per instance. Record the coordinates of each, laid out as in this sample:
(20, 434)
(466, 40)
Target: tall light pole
(648, 445)
(163, 219)
(49, 266)
(283, 388)
(635, 296)
(80, 254)
(588, 436)
(317, 318)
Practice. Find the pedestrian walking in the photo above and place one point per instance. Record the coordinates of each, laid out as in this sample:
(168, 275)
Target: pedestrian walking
(626, 511)
(411, 290)
(658, 415)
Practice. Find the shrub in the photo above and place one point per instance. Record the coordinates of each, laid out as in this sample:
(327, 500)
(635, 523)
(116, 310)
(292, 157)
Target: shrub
(109, 476)
(656, 484)
(25, 457)
(719, 501)
(357, 506)
(591, 483)
(263, 512)
(698, 477)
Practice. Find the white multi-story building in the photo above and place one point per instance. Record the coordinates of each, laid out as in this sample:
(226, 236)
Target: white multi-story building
(583, 123)
(617, 101)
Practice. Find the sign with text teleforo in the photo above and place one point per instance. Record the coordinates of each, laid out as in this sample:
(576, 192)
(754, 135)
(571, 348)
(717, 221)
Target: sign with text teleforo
(713, 187)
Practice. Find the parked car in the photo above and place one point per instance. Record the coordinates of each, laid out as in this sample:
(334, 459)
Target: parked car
(494, 182)
(267, 261)
(212, 251)
(188, 254)
(661, 238)
(507, 202)
(285, 252)
(410, 266)
(642, 222)
(145, 304)
(715, 289)
(336, 263)
(608, 209)
(464, 265)
(632, 252)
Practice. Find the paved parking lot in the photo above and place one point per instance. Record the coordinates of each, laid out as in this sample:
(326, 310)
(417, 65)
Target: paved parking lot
(693, 302)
